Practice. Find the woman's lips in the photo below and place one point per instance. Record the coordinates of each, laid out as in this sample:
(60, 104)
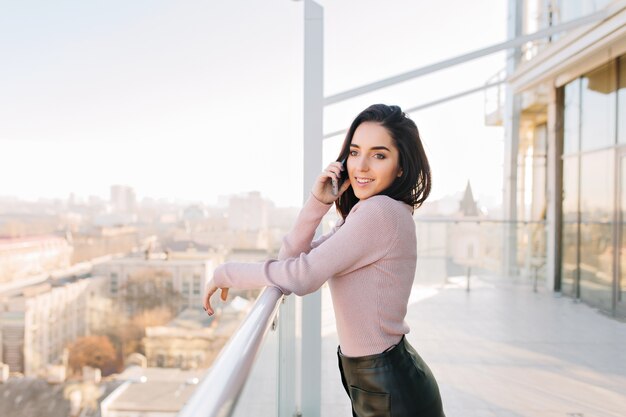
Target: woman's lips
(362, 182)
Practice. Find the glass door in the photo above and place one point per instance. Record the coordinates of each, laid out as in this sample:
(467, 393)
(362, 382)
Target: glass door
(619, 294)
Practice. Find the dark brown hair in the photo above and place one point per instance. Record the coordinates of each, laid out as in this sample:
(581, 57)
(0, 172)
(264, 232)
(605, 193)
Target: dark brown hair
(413, 186)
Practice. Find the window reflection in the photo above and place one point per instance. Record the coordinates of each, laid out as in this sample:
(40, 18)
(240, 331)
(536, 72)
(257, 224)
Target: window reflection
(598, 108)
(621, 102)
(596, 186)
(571, 115)
(596, 230)
(621, 294)
(594, 112)
(570, 226)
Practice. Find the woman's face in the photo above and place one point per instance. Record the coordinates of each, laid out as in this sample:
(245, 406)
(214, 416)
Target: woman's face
(373, 160)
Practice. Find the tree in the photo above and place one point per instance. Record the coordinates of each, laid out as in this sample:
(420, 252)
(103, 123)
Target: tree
(94, 351)
(148, 298)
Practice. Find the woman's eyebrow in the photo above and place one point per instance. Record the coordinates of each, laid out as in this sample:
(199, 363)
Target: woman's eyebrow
(372, 148)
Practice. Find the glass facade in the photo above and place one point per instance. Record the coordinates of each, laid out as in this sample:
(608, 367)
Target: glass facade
(621, 282)
(593, 127)
(621, 100)
(570, 229)
(596, 228)
(571, 115)
(598, 108)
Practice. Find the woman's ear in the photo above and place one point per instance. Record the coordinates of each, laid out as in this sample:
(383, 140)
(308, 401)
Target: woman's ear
(400, 173)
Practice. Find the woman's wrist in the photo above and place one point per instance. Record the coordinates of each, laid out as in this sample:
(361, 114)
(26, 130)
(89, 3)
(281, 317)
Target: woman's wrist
(319, 199)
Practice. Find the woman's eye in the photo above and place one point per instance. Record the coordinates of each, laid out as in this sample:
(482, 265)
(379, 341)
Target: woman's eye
(353, 153)
(379, 156)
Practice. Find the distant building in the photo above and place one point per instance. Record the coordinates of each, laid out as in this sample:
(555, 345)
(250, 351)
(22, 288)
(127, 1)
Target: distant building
(468, 206)
(38, 322)
(123, 199)
(193, 339)
(104, 241)
(151, 392)
(27, 256)
(34, 397)
(20, 224)
(186, 277)
(453, 243)
(187, 342)
(248, 212)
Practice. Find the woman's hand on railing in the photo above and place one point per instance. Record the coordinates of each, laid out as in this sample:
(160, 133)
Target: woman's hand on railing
(210, 289)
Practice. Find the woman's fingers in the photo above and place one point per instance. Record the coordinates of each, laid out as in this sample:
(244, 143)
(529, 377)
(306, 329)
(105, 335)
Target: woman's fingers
(335, 168)
(207, 299)
(211, 289)
(324, 190)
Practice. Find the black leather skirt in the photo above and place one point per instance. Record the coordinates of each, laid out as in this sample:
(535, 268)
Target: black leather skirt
(395, 383)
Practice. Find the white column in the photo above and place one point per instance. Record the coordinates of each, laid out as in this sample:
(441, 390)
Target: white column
(311, 384)
(512, 112)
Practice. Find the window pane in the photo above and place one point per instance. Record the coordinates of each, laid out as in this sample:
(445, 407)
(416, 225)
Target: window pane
(621, 102)
(596, 230)
(621, 287)
(598, 108)
(538, 189)
(570, 226)
(596, 186)
(571, 115)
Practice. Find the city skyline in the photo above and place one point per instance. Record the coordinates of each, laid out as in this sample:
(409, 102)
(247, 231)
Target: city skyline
(73, 199)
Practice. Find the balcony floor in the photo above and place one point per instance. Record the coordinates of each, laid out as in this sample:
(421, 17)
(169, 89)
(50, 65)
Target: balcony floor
(503, 350)
(500, 350)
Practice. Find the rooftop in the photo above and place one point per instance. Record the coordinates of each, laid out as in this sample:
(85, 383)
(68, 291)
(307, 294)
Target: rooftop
(154, 389)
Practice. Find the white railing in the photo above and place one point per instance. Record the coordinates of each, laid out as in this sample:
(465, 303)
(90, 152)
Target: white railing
(217, 394)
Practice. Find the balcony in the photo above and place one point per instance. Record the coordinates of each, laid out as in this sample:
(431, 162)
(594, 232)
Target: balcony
(498, 346)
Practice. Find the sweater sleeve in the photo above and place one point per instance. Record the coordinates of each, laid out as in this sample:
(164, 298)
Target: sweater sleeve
(366, 236)
(299, 239)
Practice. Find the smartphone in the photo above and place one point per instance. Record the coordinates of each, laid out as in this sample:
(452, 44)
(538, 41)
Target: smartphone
(342, 177)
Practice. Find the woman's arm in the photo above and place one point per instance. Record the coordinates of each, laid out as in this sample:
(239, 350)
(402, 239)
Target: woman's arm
(298, 241)
(299, 238)
(321, 198)
(368, 233)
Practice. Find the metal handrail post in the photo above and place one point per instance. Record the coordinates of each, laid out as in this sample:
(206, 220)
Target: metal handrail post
(313, 122)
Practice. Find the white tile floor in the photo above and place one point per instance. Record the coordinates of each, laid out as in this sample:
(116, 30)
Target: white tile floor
(502, 350)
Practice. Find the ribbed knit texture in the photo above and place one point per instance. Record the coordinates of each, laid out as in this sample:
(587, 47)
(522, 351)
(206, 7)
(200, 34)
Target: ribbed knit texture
(369, 261)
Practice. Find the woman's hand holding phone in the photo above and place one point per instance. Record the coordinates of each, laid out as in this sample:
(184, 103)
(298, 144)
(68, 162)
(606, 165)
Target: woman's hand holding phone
(331, 178)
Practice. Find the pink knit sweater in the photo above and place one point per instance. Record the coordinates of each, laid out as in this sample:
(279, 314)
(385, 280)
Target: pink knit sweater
(368, 260)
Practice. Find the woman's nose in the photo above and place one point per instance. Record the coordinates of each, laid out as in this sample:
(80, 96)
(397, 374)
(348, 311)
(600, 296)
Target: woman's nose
(362, 164)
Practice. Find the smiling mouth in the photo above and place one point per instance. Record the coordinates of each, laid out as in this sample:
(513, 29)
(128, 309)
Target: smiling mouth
(363, 180)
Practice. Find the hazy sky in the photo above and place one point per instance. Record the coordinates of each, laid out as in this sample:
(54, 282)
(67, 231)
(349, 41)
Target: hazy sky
(195, 99)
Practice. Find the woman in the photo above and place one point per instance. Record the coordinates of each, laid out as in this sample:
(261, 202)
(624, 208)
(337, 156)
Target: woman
(368, 259)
